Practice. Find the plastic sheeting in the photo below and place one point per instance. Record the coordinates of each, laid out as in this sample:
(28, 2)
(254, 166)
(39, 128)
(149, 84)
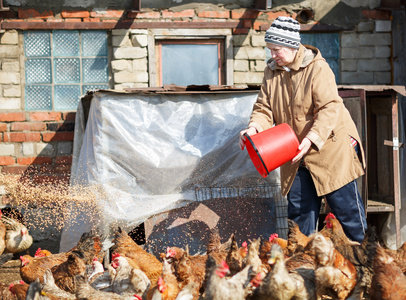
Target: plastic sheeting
(148, 153)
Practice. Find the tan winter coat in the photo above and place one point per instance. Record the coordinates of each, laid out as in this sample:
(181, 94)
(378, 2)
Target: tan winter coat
(306, 98)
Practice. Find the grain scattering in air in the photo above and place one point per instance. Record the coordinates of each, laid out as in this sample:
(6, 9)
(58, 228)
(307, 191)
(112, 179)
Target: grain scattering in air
(41, 202)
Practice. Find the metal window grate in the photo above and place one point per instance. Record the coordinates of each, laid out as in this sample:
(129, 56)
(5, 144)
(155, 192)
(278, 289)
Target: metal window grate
(269, 192)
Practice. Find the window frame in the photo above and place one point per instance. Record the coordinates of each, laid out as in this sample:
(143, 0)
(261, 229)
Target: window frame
(53, 57)
(157, 35)
(220, 54)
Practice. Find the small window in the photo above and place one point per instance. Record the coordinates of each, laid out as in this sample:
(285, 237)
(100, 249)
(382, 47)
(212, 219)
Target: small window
(190, 62)
(61, 65)
(329, 46)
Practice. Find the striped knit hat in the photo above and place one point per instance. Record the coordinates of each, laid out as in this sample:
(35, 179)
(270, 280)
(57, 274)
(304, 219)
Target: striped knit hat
(284, 31)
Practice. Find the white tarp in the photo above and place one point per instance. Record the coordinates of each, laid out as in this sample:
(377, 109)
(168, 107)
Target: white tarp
(147, 154)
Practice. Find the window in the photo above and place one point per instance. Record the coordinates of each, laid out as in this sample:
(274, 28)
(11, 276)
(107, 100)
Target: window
(329, 46)
(188, 62)
(61, 65)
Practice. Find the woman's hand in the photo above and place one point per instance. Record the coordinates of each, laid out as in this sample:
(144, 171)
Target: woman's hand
(303, 147)
(249, 131)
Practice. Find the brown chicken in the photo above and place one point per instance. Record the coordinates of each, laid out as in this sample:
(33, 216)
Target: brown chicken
(235, 256)
(335, 275)
(34, 267)
(50, 288)
(388, 281)
(42, 252)
(19, 290)
(5, 293)
(64, 273)
(137, 257)
(168, 286)
(297, 241)
(267, 244)
(17, 238)
(360, 255)
(399, 256)
(192, 268)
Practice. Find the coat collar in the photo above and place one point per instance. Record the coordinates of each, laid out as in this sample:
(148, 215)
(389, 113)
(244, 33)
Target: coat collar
(304, 56)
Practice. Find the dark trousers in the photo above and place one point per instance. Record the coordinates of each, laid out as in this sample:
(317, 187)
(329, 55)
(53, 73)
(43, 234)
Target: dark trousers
(345, 203)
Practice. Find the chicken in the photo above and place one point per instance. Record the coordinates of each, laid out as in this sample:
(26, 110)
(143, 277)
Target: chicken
(334, 231)
(128, 280)
(281, 284)
(168, 287)
(267, 244)
(220, 287)
(335, 275)
(99, 278)
(360, 255)
(297, 241)
(388, 281)
(95, 271)
(19, 290)
(64, 274)
(42, 252)
(36, 292)
(189, 292)
(90, 245)
(32, 268)
(137, 257)
(2, 235)
(217, 249)
(85, 292)
(17, 238)
(49, 287)
(399, 256)
(253, 259)
(5, 293)
(190, 268)
(235, 256)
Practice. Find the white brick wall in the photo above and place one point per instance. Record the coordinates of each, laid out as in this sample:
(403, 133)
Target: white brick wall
(366, 54)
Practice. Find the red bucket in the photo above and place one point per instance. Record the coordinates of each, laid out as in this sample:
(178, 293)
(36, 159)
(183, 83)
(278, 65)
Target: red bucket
(272, 148)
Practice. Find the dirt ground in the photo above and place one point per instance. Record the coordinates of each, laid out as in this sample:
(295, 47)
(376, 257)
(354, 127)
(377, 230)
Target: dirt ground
(10, 271)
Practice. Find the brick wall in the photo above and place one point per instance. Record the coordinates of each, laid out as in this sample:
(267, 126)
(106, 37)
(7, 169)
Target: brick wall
(38, 145)
(366, 52)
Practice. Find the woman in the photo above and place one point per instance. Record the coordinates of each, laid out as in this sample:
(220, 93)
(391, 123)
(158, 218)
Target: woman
(299, 89)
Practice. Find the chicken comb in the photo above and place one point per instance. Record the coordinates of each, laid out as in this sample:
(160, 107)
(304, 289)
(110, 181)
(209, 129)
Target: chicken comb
(22, 282)
(38, 252)
(273, 236)
(244, 244)
(137, 297)
(115, 255)
(95, 258)
(224, 264)
(160, 281)
(330, 216)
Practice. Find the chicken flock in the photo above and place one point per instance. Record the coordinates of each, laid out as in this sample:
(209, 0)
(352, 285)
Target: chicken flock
(324, 265)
